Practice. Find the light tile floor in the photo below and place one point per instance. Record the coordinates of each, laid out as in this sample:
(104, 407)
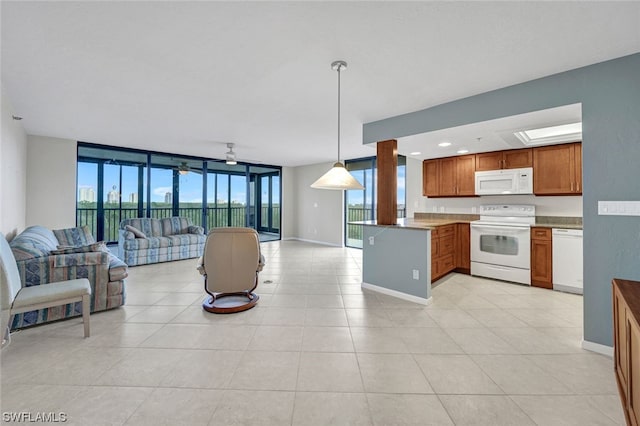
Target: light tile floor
(316, 350)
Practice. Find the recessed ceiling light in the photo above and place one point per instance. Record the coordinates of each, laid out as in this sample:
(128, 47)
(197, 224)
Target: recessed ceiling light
(554, 134)
(462, 151)
(444, 144)
(415, 153)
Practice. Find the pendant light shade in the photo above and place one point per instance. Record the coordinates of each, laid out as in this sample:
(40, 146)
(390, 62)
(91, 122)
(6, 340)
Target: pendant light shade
(337, 177)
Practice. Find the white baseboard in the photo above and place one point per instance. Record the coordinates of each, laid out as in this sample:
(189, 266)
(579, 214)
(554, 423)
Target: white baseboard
(398, 294)
(324, 243)
(597, 348)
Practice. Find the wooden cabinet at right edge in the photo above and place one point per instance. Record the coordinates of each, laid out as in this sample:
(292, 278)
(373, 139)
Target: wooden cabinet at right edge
(557, 169)
(541, 257)
(626, 346)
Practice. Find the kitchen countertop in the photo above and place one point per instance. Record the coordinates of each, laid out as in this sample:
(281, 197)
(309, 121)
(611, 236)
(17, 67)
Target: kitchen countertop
(424, 224)
(559, 222)
(442, 219)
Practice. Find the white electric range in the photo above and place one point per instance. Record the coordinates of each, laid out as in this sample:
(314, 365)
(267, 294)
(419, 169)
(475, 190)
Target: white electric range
(501, 242)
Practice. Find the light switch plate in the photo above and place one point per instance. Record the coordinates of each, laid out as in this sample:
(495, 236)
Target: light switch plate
(619, 208)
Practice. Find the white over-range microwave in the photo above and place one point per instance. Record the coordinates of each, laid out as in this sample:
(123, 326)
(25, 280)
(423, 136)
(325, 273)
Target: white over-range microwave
(507, 181)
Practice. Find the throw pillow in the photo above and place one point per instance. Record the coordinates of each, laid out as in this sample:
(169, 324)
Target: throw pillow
(99, 246)
(138, 233)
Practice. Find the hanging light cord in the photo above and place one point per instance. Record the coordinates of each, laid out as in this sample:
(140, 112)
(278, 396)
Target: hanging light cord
(339, 68)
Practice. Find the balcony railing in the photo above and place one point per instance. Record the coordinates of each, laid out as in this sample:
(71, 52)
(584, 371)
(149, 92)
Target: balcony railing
(357, 214)
(217, 217)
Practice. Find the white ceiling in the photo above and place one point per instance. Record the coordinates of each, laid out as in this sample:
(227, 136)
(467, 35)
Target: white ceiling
(187, 77)
(486, 136)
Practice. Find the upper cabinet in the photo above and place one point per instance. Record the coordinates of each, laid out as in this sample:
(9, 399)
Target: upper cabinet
(512, 159)
(557, 169)
(449, 177)
(431, 178)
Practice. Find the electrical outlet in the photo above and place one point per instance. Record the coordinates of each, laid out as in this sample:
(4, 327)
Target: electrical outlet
(435, 209)
(372, 241)
(441, 209)
(416, 274)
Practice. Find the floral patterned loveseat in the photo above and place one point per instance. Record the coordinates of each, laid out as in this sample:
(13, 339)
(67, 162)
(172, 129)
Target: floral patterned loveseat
(147, 240)
(44, 256)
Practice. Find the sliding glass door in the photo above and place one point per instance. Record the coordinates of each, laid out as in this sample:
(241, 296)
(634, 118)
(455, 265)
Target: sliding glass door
(269, 212)
(361, 205)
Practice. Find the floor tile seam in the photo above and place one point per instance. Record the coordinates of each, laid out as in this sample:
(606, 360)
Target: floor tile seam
(446, 410)
(515, 350)
(552, 376)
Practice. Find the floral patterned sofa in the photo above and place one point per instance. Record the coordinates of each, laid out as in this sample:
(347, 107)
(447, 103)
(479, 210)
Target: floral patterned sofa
(44, 256)
(146, 240)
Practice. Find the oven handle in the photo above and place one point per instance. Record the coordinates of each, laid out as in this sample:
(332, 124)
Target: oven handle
(501, 228)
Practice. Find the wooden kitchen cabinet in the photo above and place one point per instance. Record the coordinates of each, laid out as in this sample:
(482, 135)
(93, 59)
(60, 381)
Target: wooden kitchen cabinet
(626, 346)
(541, 258)
(465, 175)
(449, 177)
(431, 178)
(557, 169)
(463, 248)
(442, 251)
(511, 159)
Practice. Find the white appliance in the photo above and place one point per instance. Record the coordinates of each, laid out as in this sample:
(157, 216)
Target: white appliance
(567, 260)
(501, 242)
(508, 181)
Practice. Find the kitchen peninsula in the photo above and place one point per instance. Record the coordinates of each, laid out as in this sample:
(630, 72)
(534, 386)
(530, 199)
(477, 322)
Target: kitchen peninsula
(400, 260)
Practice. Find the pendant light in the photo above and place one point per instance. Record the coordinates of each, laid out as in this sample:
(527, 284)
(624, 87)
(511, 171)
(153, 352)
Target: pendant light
(338, 177)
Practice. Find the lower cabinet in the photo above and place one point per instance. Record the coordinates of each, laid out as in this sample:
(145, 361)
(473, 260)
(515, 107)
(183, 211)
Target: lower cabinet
(541, 258)
(450, 250)
(626, 346)
(442, 251)
(463, 248)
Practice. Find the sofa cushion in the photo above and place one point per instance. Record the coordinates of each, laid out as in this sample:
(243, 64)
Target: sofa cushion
(35, 241)
(147, 243)
(174, 226)
(186, 239)
(74, 237)
(135, 231)
(117, 269)
(148, 226)
(79, 259)
(99, 246)
(24, 250)
(195, 230)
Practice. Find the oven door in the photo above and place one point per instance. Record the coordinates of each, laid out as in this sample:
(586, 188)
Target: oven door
(501, 245)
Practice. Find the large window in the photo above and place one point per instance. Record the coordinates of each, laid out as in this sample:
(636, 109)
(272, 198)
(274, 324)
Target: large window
(362, 204)
(115, 184)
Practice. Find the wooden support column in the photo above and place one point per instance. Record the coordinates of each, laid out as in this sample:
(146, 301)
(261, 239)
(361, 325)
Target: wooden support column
(387, 169)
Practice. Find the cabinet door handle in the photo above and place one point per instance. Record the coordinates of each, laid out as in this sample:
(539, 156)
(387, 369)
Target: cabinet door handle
(571, 187)
(577, 187)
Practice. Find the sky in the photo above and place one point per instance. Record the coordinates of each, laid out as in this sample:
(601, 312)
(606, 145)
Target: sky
(191, 184)
(161, 183)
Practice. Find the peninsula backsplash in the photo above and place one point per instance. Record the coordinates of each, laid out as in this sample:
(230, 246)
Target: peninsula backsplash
(545, 206)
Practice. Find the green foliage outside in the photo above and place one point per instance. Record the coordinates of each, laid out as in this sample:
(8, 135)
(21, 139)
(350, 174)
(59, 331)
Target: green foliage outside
(219, 215)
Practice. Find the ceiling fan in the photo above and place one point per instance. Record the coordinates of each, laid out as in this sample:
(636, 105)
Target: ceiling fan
(230, 155)
(184, 169)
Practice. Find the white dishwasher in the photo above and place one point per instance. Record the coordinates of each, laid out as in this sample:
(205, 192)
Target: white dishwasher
(567, 260)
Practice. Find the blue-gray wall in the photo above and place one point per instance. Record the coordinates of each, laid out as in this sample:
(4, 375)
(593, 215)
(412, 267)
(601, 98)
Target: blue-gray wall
(396, 252)
(610, 97)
